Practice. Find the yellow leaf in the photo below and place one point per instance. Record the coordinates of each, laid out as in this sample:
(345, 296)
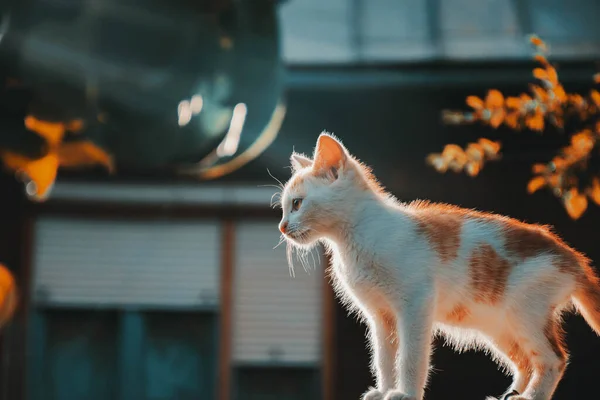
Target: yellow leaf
(494, 99)
(474, 102)
(540, 74)
(489, 147)
(575, 203)
(83, 153)
(53, 132)
(536, 184)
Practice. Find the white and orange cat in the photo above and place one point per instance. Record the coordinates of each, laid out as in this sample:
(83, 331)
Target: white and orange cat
(417, 269)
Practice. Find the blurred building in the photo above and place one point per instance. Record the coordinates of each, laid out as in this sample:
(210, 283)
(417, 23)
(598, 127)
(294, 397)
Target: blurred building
(160, 289)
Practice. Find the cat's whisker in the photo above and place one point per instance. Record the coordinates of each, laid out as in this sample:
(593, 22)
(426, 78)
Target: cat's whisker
(281, 185)
(281, 240)
(289, 250)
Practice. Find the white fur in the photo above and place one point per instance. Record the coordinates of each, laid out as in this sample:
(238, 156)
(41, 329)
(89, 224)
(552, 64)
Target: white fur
(382, 266)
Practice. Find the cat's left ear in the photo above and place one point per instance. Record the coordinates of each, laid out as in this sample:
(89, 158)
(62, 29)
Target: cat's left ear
(300, 161)
(330, 155)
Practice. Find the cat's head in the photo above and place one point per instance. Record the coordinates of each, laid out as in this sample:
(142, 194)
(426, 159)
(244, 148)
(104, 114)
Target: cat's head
(323, 193)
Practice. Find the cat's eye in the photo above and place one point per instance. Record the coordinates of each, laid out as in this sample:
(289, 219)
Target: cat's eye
(296, 204)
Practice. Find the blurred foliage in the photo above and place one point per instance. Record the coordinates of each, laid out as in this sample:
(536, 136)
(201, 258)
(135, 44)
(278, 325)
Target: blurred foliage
(40, 173)
(8, 296)
(568, 175)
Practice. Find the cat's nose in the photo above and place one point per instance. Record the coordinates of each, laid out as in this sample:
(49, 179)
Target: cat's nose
(283, 226)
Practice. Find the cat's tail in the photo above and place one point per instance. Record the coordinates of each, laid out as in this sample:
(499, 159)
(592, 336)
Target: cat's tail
(587, 298)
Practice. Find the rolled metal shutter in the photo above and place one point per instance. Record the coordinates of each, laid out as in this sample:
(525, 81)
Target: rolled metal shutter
(277, 317)
(92, 262)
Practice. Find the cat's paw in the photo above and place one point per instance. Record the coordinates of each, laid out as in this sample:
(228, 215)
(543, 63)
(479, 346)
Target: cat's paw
(396, 395)
(373, 394)
(514, 395)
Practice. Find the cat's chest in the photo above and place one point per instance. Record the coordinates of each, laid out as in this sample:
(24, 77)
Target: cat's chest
(356, 270)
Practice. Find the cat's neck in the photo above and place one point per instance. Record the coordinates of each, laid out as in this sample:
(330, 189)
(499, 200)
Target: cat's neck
(370, 216)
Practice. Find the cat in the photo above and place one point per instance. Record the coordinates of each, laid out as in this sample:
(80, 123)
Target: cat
(414, 270)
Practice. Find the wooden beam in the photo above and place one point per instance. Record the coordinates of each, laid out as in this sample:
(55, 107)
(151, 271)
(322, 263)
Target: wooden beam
(328, 362)
(17, 331)
(226, 314)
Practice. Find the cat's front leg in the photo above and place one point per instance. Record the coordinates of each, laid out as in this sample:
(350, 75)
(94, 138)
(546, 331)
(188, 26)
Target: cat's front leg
(414, 324)
(384, 343)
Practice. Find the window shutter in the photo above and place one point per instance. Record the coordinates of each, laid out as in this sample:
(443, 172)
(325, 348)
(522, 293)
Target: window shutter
(277, 317)
(79, 262)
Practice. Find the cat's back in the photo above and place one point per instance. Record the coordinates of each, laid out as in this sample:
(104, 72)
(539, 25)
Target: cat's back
(451, 228)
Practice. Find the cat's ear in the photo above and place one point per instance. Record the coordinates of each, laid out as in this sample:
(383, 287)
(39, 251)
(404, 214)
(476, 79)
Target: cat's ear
(300, 161)
(330, 155)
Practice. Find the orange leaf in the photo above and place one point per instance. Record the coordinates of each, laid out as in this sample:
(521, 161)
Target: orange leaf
(475, 152)
(536, 184)
(560, 93)
(582, 141)
(8, 295)
(575, 203)
(597, 77)
(535, 122)
(552, 74)
(512, 120)
(83, 153)
(594, 191)
(438, 162)
(451, 151)
(558, 163)
(489, 147)
(494, 99)
(540, 74)
(473, 168)
(53, 132)
(539, 168)
(513, 102)
(475, 102)
(456, 165)
(41, 171)
(539, 92)
(595, 95)
(497, 118)
(535, 40)
(541, 59)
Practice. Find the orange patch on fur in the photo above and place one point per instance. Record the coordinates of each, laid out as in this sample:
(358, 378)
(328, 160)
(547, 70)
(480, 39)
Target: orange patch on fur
(458, 314)
(489, 273)
(519, 358)
(442, 231)
(555, 336)
(389, 322)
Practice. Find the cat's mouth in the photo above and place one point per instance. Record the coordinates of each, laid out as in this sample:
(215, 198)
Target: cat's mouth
(299, 235)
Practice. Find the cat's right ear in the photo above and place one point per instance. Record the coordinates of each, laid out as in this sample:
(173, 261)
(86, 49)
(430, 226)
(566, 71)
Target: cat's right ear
(330, 156)
(300, 161)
